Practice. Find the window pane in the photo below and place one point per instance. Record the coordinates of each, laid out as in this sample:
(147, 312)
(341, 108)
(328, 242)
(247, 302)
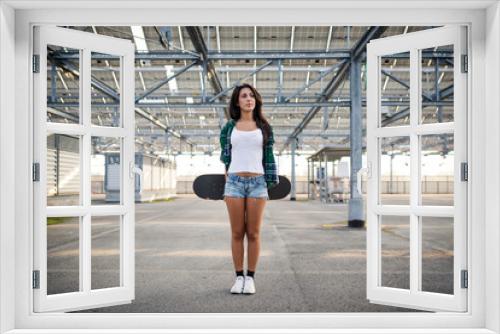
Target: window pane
(437, 169)
(105, 252)
(63, 254)
(394, 170)
(395, 251)
(105, 104)
(395, 89)
(63, 85)
(106, 171)
(437, 254)
(63, 170)
(437, 84)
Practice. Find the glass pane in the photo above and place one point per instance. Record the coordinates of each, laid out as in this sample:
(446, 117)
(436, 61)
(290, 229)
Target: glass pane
(63, 85)
(106, 172)
(63, 170)
(437, 169)
(437, 254)
(437, 84)
(105, 252)
(106, 94)
(395, 251)
(395, 89)
(394, 170)
(63, 254)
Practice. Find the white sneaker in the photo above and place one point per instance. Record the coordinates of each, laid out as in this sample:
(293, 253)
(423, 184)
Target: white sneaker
(238, 285)
(249, 287)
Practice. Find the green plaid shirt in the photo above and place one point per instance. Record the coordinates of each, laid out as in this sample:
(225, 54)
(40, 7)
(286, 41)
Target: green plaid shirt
(268, 162)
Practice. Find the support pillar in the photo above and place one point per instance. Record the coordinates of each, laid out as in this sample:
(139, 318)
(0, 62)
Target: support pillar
(279, 97)
(313, 193)
(204, 81)
(327, 191)
(320, 180)
(308, 179)
(356, 212)
(292, 181)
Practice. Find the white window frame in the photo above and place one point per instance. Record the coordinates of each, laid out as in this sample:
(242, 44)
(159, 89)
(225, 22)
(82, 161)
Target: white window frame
(16, 212)
(124, 292)
(411, 213)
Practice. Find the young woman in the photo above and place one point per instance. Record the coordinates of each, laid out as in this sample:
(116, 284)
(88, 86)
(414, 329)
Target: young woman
(247, 153)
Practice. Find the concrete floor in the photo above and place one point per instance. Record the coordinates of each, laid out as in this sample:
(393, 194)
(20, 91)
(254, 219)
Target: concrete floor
(310, 261)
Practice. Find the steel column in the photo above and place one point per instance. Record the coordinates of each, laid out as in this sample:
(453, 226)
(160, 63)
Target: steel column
(327, 191)
(280, 81)
(320, 179)
(356, 214)
(308, 179)
(313, 180)
(292, 181)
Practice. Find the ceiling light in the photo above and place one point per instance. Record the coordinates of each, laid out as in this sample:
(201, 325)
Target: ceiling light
(172, 84)
(139, 39)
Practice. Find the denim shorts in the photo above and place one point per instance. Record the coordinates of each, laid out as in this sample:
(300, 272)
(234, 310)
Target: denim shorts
(246, 186)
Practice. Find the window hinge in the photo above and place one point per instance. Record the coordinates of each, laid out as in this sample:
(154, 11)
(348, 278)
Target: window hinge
(36, 63)
(464, 171)
(36, 279)
(465, 279)
(465, 62)
(36, 172)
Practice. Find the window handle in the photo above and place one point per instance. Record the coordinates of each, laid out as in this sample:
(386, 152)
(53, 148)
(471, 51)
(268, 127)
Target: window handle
(134, 170)
(365, 170)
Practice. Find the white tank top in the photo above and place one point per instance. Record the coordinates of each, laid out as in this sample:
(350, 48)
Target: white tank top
(246, 151)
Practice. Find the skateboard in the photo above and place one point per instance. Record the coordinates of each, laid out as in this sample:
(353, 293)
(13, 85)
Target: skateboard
(211, 186)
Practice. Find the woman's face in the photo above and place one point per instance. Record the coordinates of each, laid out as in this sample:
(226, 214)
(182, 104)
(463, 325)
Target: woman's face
(246, 100)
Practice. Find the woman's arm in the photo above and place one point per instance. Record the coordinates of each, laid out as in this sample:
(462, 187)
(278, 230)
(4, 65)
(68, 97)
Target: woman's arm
(222, 140)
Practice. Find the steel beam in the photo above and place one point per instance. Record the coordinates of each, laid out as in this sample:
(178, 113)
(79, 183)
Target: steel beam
(341, 103)
(224, 55)
(304, 87)
(199, 45)
(160, 124)
(114, 95)
(332, 86)
(267, 54)
(254, 71)
(213, 132)
(165, 34)
(165, 81)
(444, 93)
(63, 114)
(101, 86)
(404, 84)
(343, 54)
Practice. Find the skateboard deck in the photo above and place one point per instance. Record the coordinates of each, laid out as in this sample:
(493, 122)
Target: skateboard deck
(211, 186)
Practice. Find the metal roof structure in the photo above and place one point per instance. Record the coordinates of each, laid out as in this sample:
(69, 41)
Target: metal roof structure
(185, 75)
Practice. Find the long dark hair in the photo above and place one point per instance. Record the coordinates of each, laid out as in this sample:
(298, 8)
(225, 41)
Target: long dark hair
(260, 120)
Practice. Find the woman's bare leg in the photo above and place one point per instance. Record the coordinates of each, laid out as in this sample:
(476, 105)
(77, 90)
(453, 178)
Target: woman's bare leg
(236, 210)
(255, 213)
